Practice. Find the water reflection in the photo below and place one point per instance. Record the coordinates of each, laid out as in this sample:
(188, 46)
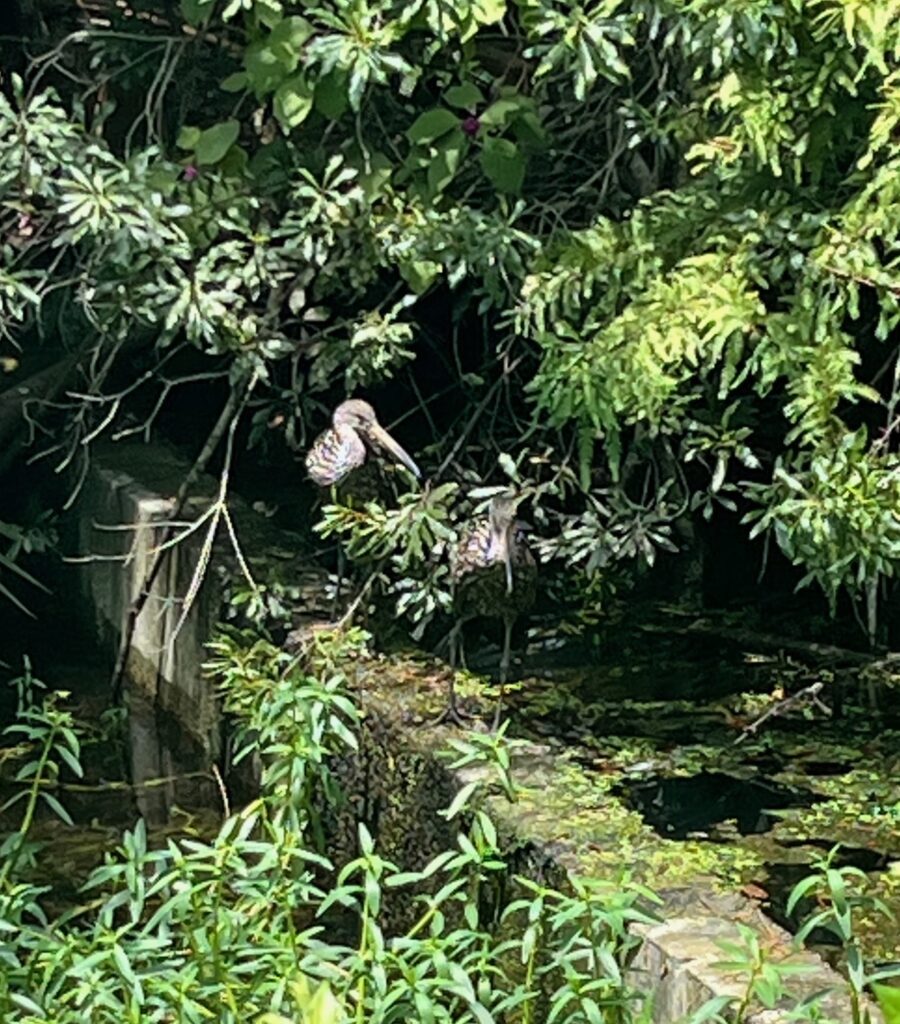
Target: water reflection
(684, 807)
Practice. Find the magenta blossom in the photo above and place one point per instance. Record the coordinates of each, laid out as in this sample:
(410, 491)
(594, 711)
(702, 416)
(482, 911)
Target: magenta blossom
(190, 172)
(471, 125)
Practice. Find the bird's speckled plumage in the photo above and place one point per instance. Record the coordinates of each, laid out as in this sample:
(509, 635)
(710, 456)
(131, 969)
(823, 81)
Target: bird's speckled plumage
(334, 455)
(344, 447)
(479, 572)
(494, 576)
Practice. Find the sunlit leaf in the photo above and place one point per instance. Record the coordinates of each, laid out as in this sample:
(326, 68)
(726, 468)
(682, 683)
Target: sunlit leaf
(293, 101)
(432, 124)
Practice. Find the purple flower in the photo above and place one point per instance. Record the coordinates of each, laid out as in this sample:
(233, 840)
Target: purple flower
(190, 172)
(471, 125)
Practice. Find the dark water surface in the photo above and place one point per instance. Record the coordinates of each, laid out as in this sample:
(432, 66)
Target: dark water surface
(137, 763)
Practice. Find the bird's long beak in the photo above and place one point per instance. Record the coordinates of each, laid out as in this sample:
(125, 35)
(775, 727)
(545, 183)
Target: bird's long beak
(507, 564)
(502, 540)
(384, 440)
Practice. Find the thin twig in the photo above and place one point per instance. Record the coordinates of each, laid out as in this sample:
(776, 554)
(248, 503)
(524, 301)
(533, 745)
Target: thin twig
(474, 418)
(222, 791)
(808, 693)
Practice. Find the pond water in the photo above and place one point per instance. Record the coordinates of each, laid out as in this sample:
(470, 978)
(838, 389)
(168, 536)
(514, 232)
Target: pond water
(690, 807)
(137, 764)
(660, 720)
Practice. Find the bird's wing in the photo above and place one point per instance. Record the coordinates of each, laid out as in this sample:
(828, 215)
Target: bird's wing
(473, 551)
(335, 453)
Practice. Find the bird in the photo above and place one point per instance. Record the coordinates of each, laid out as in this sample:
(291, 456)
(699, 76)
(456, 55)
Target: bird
(339, 455)
(344, 447)
(493, 575)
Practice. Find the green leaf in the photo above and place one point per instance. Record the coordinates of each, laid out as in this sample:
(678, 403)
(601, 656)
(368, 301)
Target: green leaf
(432, 125)
(366, 843)
(420, 274)
(187, 137)
(381, 167)
(466, 96)
(502, 162)
(293, 101)
(529, 132)
(71, 760)
(508, 465)
(800, 890)
(488, 12)
(889, 1001)
(331, 94)
(460, 800)
(28, 1005)
(287, 39)
(56, 807)
(195, 12)
(324, 1007)
(499, 112)
(214, 142)
(266, 69)
(235, 82)
(711, 1010)
(445, 162)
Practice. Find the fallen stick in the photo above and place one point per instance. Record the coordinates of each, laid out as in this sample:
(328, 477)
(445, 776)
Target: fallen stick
(808, 693)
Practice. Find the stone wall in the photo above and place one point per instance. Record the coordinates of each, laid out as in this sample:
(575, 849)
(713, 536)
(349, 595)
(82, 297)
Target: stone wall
(123, 505)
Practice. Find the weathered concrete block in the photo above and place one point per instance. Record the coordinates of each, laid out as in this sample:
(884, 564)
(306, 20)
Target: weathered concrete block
(679, 959)
(120, 526)
(126, 501)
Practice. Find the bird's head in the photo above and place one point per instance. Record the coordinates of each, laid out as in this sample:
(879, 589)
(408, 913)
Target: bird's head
(360, 416)
(354, 413)
(503, 511)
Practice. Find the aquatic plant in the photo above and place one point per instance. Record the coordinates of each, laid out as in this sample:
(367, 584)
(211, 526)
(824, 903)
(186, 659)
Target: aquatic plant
(258, 921)
(838, 903)
(263, 920)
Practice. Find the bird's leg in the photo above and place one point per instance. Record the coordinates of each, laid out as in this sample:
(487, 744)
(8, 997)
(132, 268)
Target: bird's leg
(460, 639)
(452, 712)
(336, 600)
(504, 669)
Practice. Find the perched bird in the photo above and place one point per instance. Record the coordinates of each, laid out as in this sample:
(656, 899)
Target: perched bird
(494, 575)
(338, 458)
(342, 448)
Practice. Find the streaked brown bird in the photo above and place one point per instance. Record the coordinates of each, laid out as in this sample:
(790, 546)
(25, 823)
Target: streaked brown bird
(338, 458)
(344, 447)
(494, 575)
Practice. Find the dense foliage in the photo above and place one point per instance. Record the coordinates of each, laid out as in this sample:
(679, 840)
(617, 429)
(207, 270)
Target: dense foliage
(256, 923)
(651, 245)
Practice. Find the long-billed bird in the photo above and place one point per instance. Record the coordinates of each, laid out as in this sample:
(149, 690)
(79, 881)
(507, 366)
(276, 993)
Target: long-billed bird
(494, 575)
(338, 455)
(344, 447)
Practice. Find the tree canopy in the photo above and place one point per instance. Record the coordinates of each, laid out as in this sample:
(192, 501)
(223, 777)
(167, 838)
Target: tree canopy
(641, 258)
